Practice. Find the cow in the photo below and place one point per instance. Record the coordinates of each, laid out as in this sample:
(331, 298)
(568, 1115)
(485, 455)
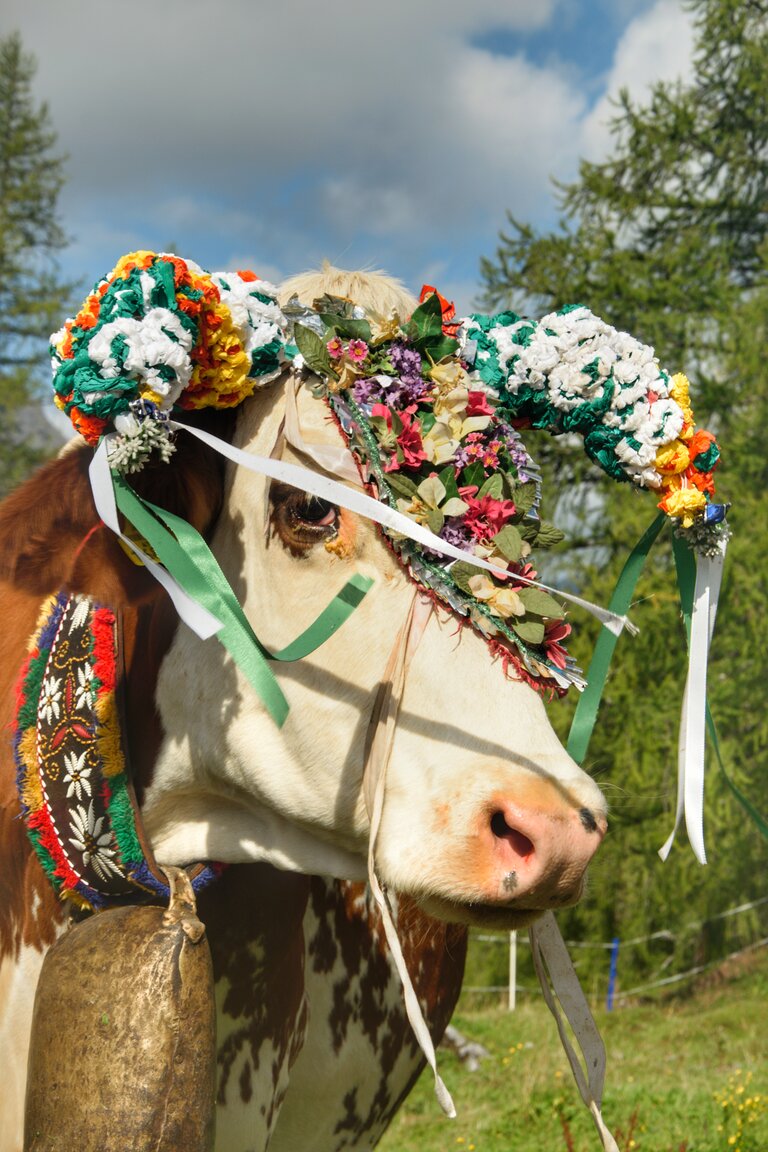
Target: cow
(486, 820)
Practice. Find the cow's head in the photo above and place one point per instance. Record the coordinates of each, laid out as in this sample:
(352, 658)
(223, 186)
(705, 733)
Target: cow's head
(486, 818)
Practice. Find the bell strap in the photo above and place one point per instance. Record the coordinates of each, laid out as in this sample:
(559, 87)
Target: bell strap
(552, 962)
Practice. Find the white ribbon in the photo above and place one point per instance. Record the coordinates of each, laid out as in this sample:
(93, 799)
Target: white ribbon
(198, 618)
(692, 740)
(337, 460)
(550, 955)
(359, 502)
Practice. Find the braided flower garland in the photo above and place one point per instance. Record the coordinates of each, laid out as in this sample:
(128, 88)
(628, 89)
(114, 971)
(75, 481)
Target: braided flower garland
(429, 406)
(160, 332)
(571, 372)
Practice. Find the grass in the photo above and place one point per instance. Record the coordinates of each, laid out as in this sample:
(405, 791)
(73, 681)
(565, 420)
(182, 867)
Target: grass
(688, 1074)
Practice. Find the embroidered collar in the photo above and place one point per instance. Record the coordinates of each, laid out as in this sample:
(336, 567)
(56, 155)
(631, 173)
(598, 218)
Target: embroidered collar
(76, 795)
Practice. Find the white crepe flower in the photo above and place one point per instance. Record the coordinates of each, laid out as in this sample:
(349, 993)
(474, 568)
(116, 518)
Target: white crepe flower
(258, 322)
(506, 347)
(666, 420)
(157, 340)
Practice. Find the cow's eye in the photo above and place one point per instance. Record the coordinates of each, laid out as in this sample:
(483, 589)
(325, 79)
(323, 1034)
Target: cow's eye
(301, 520)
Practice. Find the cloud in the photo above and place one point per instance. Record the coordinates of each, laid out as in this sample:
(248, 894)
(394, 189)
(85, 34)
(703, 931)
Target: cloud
(519, 124)
(370, 133)
(657, 45)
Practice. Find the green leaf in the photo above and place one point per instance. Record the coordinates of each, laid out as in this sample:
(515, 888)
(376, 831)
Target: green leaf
(462, 572)
(493, 487)
(427, 420)
(379, 424)
(448, 480)
(426, 322)
(347, 327)
(547, 535)
(541, 603)
(509, 487)
(333, 306)
(401, 485)
(509, 542)
(312, 348)
(524, 496)
(531, 631)
(435, 520)
(440, 348)
(474, 475)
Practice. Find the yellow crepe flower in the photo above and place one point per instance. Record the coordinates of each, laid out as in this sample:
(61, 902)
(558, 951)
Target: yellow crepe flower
(672, 458)
(684, 503)
(679, 391)
(222, 366)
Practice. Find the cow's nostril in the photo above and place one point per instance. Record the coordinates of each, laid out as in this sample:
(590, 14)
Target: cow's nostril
(517, 840)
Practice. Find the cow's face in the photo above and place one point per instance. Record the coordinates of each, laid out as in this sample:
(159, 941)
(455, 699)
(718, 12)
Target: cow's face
(486, 818)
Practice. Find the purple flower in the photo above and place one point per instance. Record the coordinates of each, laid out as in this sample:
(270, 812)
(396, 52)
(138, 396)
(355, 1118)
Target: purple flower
(454, 532)
(390, 390)
(369, 391)
(411, 389)
(516, 451)
(406, 362)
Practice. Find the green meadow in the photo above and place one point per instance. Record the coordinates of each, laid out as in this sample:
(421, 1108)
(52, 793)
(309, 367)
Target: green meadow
(687, 1073)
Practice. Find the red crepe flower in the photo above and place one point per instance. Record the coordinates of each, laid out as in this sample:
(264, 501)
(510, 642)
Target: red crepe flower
(554, 632)
(447, 307)
(407, 440)
(485, 516)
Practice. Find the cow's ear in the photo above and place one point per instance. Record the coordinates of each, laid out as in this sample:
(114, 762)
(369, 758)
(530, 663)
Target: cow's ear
(51, 536)
(191, 484)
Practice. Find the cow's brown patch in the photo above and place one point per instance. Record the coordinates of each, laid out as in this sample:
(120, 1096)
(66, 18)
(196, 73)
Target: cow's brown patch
(349, 948)
(254, 916)
(51, 538)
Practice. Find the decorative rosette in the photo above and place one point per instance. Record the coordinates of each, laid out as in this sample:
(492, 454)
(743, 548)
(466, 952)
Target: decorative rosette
(435, 443)
(571, 372)
(160, 332)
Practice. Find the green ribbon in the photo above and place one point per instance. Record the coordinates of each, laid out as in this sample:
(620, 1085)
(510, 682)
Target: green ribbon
(329, 621)
(584, 717)
(686, 582)
(185, 555)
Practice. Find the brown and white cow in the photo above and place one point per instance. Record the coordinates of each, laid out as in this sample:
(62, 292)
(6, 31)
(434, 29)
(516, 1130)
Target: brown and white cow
(314, 1048)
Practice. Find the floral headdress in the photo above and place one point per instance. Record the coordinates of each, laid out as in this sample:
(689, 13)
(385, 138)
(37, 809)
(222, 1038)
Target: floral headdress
(429, 406)
(571, 372)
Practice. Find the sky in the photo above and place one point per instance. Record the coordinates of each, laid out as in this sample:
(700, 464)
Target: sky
(271, 136)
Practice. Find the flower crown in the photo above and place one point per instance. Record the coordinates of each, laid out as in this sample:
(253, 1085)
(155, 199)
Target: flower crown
(431, 408)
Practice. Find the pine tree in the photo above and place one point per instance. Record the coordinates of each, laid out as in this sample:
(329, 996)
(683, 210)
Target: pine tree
(668, 239)
(33, 298)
